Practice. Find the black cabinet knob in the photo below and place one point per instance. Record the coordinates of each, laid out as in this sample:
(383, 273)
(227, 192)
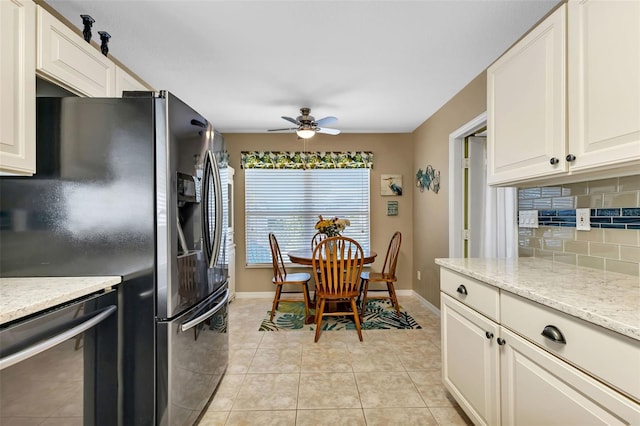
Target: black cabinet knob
(500, 341)
(571, 157)
(462, 289)
(554, 161)
(489, 335)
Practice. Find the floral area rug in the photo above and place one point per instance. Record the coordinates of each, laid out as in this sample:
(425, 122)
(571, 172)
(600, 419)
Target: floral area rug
(380, 315)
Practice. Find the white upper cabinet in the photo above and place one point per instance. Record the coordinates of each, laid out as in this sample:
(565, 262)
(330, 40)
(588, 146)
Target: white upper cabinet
(65, 58)
(17, 87)
(127, 82)
(526, 106)
(604, 83)
(537, 134)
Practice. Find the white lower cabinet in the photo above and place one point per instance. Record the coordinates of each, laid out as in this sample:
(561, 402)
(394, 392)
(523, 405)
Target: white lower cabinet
(539, 389)
(470, 361)
(499, 375)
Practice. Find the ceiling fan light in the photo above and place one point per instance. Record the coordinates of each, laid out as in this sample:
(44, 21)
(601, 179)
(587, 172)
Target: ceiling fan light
(305, 133)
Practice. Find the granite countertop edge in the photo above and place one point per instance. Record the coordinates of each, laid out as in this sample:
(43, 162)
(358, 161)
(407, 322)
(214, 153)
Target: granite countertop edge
(607, 299)
(21, 297)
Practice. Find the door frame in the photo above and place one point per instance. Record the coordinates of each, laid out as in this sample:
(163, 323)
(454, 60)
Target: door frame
(456, 193)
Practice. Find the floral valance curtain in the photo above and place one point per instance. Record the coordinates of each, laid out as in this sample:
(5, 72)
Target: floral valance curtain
(306, 160)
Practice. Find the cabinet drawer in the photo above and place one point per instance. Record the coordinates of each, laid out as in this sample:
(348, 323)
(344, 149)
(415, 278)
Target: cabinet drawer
(610, 356)
(475, 294)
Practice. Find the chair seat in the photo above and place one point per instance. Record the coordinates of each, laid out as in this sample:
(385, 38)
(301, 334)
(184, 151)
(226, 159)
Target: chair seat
(298, 277)
(377, 276)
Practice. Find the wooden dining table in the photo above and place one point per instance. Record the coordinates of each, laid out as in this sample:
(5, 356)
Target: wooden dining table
(305, 257)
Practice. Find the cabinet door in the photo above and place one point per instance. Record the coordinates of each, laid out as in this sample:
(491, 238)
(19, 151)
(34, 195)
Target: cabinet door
(125, 82)
(470, 363)
(526, 106)
(540, 389)
(604, 82)
(17, 87)
(65, 58)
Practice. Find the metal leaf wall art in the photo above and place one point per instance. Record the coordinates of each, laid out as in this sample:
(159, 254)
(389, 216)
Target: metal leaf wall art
(429, 179)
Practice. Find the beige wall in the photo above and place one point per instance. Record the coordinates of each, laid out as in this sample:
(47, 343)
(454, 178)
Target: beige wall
(392, 154)
(430, 210)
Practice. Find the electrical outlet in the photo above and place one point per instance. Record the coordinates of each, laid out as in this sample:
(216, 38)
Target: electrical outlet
(418, 275)
(583, 219)
(528, 219)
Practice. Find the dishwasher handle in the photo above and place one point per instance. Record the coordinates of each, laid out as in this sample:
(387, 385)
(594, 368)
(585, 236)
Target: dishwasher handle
(211, 312)
(39, 347)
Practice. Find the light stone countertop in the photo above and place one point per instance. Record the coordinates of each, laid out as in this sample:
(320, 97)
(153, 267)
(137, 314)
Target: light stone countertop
(607, 299)
(20, 297)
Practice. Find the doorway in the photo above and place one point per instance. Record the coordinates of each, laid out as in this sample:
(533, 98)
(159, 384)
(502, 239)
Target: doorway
(482, 219)
(467, 153)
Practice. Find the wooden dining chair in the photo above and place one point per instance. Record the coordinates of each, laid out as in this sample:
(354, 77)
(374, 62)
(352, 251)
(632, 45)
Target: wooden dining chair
(281, 277)
(319, 236)
(338, 262)
(387, 276)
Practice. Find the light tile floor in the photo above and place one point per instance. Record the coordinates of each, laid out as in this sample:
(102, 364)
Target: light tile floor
(283, 378)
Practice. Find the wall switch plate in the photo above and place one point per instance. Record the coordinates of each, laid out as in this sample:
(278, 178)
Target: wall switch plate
(418, 275)
(583, 219)
(528, 218)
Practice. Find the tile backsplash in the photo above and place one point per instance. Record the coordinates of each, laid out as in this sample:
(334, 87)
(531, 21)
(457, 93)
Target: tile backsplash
(612, 244)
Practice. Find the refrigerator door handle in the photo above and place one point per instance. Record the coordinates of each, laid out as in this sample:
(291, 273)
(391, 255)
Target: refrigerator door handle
(212, 177)
(211, 312)
(39, 347)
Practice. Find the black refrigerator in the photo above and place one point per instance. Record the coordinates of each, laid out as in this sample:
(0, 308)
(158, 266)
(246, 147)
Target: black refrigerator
(131, 186)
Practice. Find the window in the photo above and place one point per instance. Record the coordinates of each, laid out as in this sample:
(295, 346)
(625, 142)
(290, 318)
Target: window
(287, 202)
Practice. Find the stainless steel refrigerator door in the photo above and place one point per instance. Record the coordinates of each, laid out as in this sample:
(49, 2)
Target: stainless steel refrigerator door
(212, 207)
(89, 209)
(193, 353)
(184, 247)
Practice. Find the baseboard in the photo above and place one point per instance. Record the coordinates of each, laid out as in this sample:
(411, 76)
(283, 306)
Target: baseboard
(426, 303)
(271, 294)
(255, 294)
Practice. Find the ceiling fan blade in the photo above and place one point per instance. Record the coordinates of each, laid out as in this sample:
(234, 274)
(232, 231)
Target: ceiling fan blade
(280, 130)
(325, 121)
(292, 120)
(328, 131)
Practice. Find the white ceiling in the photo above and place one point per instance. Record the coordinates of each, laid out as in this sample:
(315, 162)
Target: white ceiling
(379, 66)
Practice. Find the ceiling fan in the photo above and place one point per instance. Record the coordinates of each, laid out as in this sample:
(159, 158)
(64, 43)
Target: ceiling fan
(308, 126)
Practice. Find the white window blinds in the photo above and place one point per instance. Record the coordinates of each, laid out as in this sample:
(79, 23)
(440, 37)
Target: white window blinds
(287, 202)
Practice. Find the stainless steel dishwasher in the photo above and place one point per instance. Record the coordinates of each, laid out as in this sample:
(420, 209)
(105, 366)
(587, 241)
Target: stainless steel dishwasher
(60, 366)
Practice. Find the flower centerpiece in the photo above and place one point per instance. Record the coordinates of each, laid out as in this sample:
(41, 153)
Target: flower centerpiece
(331, 227)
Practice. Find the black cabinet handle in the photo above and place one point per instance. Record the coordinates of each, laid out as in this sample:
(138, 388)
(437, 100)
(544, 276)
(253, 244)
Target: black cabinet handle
(552, 333)
(500, 341)
(489, 335)
(462, 289)
(554, 161)
(571, 157)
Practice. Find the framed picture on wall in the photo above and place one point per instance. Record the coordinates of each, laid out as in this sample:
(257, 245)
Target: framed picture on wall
(390, 184)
